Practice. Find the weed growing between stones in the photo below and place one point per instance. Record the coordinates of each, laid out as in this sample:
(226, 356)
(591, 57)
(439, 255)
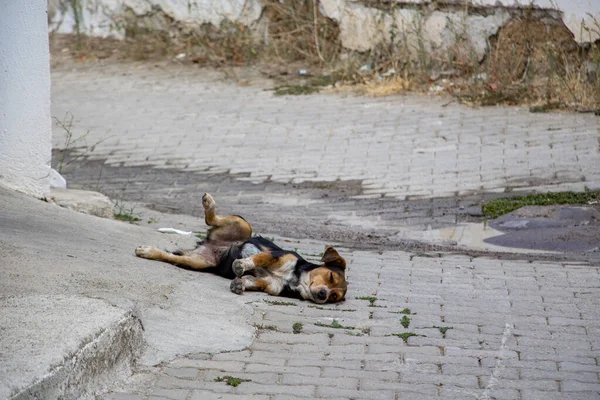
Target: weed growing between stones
(231, 380)
(403, 311)
(370, 299)
(405, 322)
(334, 324)
(443, 329)
(404, 336)
(297, 327)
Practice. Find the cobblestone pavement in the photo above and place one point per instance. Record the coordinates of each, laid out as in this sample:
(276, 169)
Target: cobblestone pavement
(413, 326)
(399, 147)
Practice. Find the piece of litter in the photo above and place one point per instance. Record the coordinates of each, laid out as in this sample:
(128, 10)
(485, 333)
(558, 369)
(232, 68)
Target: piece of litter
(56, 180)
(173, 230)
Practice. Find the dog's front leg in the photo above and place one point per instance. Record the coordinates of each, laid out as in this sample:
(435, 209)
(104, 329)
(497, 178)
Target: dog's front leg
(249, 282)
(266, 259)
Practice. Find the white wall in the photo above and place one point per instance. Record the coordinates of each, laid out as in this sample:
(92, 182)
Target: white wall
(25, 123)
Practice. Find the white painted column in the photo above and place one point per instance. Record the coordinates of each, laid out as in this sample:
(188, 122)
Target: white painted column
(25, 122)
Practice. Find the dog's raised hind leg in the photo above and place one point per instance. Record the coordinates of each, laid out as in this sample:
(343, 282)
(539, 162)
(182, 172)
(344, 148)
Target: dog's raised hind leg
(230, 228)
(210, 215)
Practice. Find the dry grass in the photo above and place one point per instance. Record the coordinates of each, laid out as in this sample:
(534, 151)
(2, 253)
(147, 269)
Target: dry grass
(384, 87)
(297, 31)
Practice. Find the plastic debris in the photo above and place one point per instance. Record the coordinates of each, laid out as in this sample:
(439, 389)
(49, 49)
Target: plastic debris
(173, 230)
(56, 180)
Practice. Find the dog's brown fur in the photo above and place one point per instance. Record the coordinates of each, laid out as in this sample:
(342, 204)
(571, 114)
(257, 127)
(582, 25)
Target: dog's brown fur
(256, 263)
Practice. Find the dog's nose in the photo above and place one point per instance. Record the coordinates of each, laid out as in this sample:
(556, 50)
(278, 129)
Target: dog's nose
(322, 295)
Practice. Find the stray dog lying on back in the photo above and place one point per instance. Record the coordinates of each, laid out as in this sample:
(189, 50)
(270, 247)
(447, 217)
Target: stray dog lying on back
(230, 251)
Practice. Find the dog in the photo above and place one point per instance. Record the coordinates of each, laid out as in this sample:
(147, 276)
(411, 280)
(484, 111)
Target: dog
(255, 263)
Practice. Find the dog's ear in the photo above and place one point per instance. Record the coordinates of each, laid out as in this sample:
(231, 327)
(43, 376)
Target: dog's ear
(332, 258)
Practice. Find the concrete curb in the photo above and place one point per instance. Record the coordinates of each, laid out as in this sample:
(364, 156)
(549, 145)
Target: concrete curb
(105, 356)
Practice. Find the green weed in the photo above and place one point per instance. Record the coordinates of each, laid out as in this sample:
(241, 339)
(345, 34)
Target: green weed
(498, 207)
(334, 324)
(443, 329)
(231, 380)
(404, 336)
(297, 327)
(405, 322)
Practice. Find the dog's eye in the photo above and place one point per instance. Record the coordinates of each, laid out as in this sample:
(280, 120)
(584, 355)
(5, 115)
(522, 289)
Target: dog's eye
(331, 277)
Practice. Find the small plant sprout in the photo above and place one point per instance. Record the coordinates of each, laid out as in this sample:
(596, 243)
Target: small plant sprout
(443, 329)
(405, 322)
(297, 327)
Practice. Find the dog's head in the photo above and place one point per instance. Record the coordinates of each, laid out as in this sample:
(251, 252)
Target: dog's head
(328, 282)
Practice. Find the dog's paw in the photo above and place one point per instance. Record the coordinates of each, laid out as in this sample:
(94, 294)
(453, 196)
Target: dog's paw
(207, 201)
(146, 251)
(237, 286)
(241, 265)
(237, 267)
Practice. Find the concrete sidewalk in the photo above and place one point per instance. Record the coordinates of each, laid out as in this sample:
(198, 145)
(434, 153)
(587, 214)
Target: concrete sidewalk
(78, 310)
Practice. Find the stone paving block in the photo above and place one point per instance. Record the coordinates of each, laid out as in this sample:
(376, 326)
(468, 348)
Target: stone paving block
(538, 384)
(171, 394)
(254, 388)
(303, 371)
(169, 383)
(183, 373)
(531, 394)
(208, 395)
(500, 394)
(185, 364)
(332, 372)
(121, 396)
(242, 356)
(288, 397)
(339, 382)
(328, 392)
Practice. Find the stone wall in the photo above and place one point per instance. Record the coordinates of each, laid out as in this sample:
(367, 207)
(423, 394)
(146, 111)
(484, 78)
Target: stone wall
(364, 24)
